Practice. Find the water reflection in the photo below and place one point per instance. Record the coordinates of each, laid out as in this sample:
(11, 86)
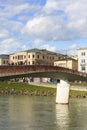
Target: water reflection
(41, 113)
(62, 116)
(16, 113)
(72, 116)
(31, 113)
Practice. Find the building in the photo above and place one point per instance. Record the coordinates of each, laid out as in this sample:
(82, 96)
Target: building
(4, 59)
(82, 59)
(67, 62)
(34, 57)
(18, 58)
(75, 57)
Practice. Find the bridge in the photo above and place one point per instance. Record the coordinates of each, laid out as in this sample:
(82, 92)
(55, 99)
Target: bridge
(9, 72)
(64, 74)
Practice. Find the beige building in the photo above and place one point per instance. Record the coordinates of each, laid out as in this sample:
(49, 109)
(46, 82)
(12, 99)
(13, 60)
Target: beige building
(4, 59)
(18, 58)
(34, 57)
(75, 57)
(67, 63)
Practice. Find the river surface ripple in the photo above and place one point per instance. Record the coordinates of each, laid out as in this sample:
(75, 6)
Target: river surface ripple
(41, 113)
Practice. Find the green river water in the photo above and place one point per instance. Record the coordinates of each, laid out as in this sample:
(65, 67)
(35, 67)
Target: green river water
(42, 113)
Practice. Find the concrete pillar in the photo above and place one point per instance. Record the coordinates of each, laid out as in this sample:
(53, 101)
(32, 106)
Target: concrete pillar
(62, 94)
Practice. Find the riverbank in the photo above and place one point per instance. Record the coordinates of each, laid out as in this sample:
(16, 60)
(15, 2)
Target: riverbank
(10, 88)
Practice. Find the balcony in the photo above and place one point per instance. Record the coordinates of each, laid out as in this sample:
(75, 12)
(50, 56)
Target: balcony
(83, 64)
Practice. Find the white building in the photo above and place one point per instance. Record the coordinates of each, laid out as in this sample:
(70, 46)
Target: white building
(82, 59)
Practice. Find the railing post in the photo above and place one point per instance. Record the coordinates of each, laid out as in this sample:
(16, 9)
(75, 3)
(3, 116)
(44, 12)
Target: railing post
(62, 94)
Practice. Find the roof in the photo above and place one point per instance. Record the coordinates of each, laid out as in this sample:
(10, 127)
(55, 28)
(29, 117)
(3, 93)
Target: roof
(4, 56)
(42, 50)
(36, 50)
(66, 58)
(82, 48)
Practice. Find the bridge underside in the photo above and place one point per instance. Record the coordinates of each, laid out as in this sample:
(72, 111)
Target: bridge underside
(56, 75)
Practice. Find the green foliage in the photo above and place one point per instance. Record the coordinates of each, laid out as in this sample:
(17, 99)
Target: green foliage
(75, 92)
(24, 87)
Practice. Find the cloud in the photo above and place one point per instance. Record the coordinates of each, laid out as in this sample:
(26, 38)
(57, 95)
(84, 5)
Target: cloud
(28, 24)
(43, 45)
(74, 46)
(72, 50)
(38, 42)
(11, 9)
(10, 45)
(10, 25)
(45, 27)
(4, 34)
(68, 23)
(50, 48)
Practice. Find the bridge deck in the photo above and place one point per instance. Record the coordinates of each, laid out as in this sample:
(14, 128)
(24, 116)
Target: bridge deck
(41, 71)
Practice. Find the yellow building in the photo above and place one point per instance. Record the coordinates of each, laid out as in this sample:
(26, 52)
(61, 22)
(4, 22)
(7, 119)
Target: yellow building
(67, 63)
(34, 57)
(75, 57)
(4, 59)
(18, 58)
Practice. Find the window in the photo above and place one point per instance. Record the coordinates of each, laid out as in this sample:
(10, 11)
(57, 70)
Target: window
(15, 57)
(83, 68)
(24, 57)
(32, 56)
(29, 56)
(83, 61)
(4, 62)
(83, 53)
(20, 57)
(32, 62)
(38, 56)
(43, 57)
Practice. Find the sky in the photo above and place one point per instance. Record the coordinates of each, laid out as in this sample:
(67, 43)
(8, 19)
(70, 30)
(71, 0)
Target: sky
(55, 25)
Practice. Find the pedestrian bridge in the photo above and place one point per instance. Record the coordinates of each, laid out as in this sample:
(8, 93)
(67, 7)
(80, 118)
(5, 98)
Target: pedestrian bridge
(9, 72)
(64, 74)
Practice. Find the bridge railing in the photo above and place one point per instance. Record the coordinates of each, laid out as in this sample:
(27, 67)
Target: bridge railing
(15, 70)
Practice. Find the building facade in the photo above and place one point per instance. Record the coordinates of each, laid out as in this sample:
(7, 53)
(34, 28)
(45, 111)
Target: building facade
(18, 58)
(34, 57)
(82, 59)
(4, 59)
(69, 63)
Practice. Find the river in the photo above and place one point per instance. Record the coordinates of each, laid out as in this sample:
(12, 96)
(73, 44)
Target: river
(41, 113)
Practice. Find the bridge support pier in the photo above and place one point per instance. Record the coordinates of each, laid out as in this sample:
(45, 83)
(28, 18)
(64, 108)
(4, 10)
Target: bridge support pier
(62, 94)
